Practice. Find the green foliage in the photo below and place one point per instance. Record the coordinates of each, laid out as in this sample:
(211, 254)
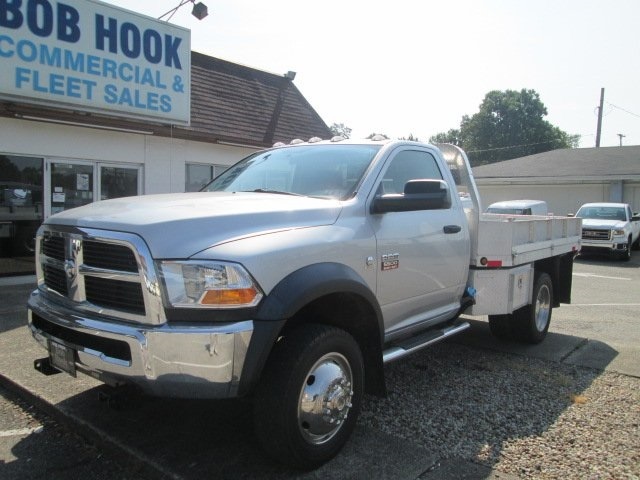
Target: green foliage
(340, 129)
(452, 136)
(509, 124)
(410, 138)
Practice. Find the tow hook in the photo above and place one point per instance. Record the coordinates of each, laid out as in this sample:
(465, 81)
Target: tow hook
(43, 365)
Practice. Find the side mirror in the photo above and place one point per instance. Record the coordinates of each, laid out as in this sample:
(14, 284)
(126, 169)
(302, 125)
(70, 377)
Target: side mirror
(418, 195)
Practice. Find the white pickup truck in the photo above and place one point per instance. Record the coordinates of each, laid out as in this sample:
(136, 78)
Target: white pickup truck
(293, 277)
(609, 228)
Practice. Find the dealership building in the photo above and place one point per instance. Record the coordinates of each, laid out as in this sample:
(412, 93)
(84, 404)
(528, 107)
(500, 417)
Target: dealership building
(97, 102)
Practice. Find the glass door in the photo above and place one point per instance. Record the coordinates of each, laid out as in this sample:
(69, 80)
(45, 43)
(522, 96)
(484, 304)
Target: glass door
(21, 211)
(71, 185)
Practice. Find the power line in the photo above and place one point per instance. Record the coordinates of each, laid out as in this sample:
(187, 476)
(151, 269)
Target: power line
(514, 146)
(624, 110)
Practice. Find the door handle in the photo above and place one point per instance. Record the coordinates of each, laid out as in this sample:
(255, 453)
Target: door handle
(452, 229)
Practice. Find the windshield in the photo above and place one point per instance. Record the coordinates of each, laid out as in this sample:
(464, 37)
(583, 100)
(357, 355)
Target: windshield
(602, 213)
(326, 171)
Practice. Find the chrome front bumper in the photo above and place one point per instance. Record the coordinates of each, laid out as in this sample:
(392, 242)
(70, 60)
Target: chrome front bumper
(611, 245)
(172, 361)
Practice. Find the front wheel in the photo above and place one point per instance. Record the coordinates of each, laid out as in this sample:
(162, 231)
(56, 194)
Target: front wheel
(531, 322)
(625, 256)
(309, 396)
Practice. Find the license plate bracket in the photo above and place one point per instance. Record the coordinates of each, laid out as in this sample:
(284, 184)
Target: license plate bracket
(62, 357)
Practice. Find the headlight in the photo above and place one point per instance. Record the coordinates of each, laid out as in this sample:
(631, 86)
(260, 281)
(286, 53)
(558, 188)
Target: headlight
(203, 284)
(618, 233)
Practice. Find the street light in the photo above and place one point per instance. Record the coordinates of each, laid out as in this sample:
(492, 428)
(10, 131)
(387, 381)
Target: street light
(199, 10)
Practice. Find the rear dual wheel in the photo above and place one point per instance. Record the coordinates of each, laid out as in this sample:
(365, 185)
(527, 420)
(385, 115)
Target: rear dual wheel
(530, 323)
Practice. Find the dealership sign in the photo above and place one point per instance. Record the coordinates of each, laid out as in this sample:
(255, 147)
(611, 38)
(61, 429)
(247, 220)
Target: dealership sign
(90, 56)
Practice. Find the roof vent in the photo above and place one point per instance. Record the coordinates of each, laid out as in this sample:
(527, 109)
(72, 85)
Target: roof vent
(296, 141)
(315, 140)
(337, 138)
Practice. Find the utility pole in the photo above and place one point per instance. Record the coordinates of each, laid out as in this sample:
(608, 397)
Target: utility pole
(621, 137)
(599, 130)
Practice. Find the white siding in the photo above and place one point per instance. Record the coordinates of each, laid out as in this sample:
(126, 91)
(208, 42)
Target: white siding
(631, 195)
(561, 198)
(163, 159)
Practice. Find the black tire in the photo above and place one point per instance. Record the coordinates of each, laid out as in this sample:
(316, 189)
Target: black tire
(625, 256)
(531, 322)
(319, 361)
(500, 326)
(636, 244)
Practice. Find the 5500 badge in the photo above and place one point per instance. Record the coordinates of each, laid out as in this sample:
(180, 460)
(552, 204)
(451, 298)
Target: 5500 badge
(390, 261)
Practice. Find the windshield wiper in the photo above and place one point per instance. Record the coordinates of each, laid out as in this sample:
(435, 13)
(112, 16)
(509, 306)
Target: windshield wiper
(277, 192)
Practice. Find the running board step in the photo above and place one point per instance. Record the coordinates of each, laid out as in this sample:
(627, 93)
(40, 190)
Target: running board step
(413, 344)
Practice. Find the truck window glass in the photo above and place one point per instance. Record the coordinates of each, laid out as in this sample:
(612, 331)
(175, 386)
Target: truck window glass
(408, 165)
(329, 171)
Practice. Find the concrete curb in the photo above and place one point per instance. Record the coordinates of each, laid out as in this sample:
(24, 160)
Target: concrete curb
(141, 463)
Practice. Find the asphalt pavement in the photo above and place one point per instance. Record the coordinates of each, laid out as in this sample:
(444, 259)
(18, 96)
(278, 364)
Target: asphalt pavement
(192, 439)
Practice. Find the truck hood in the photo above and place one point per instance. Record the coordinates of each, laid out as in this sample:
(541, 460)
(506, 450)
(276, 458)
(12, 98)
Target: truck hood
(603, 224)
(181, 225)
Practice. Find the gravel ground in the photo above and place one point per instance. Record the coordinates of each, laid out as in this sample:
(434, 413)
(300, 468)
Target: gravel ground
(522, 416)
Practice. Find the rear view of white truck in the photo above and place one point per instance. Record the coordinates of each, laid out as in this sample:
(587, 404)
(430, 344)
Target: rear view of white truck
(293, 278)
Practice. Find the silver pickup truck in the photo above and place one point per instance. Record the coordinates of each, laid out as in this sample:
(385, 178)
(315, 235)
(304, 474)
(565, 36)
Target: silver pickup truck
(293, 277)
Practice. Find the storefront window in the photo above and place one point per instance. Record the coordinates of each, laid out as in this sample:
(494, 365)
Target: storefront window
(21, 212)
(198, 175)
(116, 182)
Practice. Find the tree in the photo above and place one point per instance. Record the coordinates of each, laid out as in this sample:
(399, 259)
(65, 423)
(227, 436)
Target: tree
(508, 124)
(340, 129)
(410, 138)
(452, 136)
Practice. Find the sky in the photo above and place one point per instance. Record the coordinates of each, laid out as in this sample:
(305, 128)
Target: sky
(409, 67)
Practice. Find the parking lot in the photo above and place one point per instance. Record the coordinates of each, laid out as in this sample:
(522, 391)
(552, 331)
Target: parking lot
(470, 408)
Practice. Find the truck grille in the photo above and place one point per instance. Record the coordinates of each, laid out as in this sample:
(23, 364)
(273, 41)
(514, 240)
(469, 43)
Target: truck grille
(114, 294)
(108, 273)
(595, 234)
(107, 255)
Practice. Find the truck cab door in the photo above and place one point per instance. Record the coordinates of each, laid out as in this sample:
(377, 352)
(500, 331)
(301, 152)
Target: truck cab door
(423, 254)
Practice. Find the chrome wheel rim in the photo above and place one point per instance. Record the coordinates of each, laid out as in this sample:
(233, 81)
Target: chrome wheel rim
(325, 398)
(543, 308)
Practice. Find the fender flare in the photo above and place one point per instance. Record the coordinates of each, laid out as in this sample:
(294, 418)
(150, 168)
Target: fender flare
(312, 282)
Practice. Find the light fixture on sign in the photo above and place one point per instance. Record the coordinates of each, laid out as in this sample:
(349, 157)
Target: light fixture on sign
(199, 10)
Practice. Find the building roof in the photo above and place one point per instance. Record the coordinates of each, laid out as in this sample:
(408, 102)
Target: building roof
(233, 101)
(230, 103)
(574, 163)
